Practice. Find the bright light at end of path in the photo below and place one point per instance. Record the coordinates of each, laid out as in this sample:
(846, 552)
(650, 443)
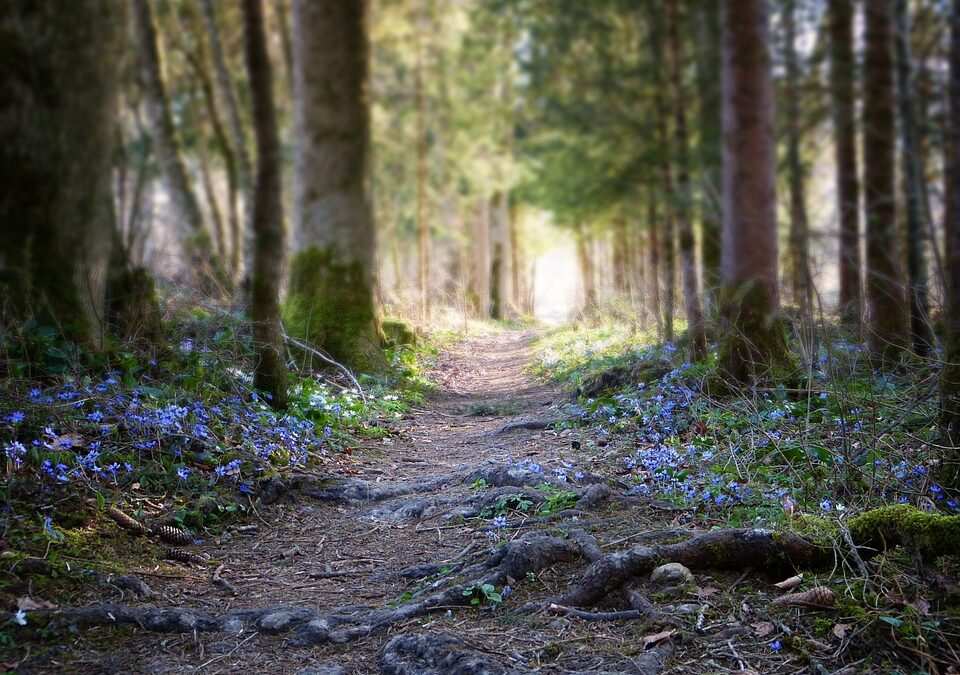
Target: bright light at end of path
(556, 284)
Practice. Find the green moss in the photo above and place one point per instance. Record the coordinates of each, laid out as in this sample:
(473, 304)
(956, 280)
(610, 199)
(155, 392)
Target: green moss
(331, 304)
(397, 332)
(817, 530)
(929, 534)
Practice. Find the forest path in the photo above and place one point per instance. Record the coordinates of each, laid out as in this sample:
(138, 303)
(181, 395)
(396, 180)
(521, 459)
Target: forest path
(329, 552)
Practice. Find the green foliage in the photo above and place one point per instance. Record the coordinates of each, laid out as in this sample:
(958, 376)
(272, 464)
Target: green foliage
(557, 499)
(484, 594)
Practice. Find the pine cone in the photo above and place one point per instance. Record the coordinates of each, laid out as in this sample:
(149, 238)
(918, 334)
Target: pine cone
(173, 535)
(126, 522)
(815, 597)
(180, 555)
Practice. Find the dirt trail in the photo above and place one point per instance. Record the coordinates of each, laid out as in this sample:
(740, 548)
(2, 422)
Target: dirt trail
(318, 555)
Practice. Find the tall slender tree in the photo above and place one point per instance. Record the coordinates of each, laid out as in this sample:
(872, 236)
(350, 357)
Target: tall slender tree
(911, 158)
(56, 147)
(843, 95)
(270, 374)
(331, 298)
(241, 152)
(665, 152)
(754, 340)
(885, 297)
(166, 145)
(684, 194)
(800, 281)
(710, 145)
(950, 377)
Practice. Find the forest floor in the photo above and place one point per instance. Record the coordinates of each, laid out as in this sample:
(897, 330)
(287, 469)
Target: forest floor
(488, 463)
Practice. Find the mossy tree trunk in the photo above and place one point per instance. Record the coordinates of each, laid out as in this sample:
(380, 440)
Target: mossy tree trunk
(269, 247)
(186, 206)
(885, 293)
(842, 87)
(331, 298)
(911, 162)
(950, 377)
(753, 338)
(684, 194)
(57, 130)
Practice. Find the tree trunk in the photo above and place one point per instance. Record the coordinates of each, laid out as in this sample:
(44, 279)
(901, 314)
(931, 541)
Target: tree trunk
(499, 238)
(269, 247)
(244, 172)
(842, 78)
(754, 340)
(199, 61)
(885, 298)
(516, 259)
(479, 255)
(653, 228)
(913, 195)
(950, 377)
(423, 225)
(688, 256)
(331, 294)
(621, 256)
(800, 281)
(587, 273)
(57, 135)
(281, 10)
(166, 146)
(711, 146)
(666, 174)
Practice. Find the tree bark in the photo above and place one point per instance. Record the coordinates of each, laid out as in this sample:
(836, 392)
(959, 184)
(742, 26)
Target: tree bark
(270, 374)
(800, 281)
(423, 225)
(842, 78)
(500, 239)
(57, 134)
(331, 294)
(668, 256)
(186, 206)
(950, 377)
(653, 229)
(479, 256)
(243, 162)
(921, 335)
(711, 147)
(754, 341)
(688, 256)
(587, 272)
(885, 293)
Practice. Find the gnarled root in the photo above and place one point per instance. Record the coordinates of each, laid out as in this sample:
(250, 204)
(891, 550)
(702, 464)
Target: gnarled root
(438, 654)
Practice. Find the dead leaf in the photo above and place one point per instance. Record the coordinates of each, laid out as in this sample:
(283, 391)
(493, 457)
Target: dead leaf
(28, 604)
(707, 591)
(841, 629)
(656, 638)
(820, 596)
(791, 583)
(922, 606)
(762, 628)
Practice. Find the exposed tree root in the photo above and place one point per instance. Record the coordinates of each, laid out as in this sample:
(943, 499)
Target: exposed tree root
(528, 554)
(438, 654)
(722, 549)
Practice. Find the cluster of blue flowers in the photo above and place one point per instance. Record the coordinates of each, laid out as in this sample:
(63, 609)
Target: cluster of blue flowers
(105, 431)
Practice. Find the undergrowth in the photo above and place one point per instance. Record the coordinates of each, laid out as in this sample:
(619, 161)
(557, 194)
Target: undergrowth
(173, 433)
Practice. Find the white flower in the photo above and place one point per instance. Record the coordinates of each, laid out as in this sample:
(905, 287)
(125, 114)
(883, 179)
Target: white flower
(20, 618)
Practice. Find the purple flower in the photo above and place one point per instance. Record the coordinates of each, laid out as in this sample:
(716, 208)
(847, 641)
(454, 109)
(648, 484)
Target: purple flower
(183, 473)
(16, 417)
(776, 646)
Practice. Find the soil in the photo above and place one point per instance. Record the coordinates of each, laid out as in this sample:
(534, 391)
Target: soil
(488, 413)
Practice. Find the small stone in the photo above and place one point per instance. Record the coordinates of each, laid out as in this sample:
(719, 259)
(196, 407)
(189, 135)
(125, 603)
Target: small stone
(275, 622)
(671, 574)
